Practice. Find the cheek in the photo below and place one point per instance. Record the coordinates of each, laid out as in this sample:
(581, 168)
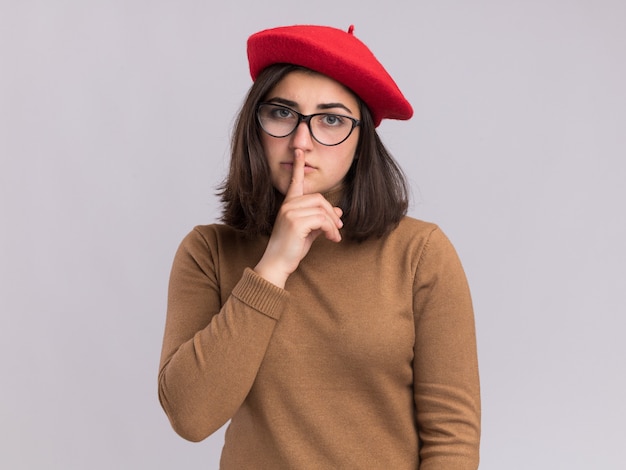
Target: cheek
(340, 168)
(346, 160)
(273, 149)
(272, 154)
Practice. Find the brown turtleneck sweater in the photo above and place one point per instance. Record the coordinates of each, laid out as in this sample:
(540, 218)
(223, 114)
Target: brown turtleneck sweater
(366, 360)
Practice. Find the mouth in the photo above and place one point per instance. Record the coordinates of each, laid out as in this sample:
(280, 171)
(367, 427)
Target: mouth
(289, 166)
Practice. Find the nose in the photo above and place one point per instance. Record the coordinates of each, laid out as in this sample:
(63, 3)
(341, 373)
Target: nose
(301, 137)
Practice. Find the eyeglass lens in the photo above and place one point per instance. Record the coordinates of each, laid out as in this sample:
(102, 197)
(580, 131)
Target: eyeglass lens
(326, 128)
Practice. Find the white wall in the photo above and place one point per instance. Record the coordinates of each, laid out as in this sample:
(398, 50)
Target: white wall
(114, 126)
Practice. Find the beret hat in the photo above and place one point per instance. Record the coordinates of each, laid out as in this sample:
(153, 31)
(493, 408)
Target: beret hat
(337, 54)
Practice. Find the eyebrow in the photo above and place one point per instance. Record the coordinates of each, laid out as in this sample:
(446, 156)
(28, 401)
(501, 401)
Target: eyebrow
(322, 106)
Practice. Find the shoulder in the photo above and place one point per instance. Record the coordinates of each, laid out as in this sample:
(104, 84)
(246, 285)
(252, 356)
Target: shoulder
(215, 235)
(204, 239)
(220, 240)
(424, 239)
(416, 226)
(212, 232)
(437, 259)
(201, 236)
(413, 231)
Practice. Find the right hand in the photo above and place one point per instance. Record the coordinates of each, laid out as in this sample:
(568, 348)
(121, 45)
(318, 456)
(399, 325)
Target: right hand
(300, 220)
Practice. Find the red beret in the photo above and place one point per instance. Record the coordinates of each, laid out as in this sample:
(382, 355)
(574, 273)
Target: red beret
(337, 54)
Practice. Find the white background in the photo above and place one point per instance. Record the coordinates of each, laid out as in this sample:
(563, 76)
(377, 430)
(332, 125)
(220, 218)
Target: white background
(114, 126)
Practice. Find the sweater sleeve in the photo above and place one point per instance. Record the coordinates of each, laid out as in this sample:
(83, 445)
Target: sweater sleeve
(212, 352)
(446, 382)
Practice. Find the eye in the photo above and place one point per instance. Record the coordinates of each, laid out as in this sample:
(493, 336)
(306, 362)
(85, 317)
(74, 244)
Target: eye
(333, 120)
(278, 112)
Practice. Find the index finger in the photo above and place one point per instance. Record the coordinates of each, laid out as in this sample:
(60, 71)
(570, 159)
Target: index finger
(296, 187)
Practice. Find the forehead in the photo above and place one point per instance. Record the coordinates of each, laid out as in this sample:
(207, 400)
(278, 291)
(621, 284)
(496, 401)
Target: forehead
(308, 88)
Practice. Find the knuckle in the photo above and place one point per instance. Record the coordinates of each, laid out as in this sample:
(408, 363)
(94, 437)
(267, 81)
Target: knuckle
(320, 199)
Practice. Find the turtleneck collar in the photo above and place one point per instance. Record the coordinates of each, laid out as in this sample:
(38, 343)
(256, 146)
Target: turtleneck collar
(334, 196)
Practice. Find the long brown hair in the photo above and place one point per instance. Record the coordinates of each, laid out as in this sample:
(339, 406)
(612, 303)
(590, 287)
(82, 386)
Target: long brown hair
(374, 197)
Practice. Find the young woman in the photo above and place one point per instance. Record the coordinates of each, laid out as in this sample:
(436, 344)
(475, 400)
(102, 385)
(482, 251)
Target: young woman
(332, 330)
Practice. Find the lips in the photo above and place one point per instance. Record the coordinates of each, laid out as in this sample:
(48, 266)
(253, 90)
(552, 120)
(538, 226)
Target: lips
(289, 165)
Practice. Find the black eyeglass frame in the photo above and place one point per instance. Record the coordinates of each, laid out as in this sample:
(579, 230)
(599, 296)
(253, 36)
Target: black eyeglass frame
(307, 120)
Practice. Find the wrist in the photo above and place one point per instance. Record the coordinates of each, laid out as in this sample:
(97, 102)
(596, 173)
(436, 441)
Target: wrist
(271, 273)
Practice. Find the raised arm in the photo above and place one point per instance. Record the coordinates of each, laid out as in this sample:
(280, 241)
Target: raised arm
(211, 353)
(301, 219)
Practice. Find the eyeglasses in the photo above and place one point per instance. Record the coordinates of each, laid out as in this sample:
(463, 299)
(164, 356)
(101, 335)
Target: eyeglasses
(326, 128)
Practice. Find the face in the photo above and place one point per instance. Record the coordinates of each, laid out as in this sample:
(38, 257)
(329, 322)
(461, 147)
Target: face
(326, 167)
